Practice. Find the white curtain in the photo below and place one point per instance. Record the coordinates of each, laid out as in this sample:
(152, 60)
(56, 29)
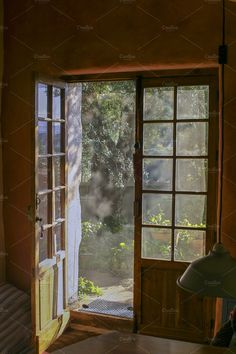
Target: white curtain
(74, 129)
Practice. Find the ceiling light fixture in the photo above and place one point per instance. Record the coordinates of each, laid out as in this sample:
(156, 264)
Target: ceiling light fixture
(214, 275)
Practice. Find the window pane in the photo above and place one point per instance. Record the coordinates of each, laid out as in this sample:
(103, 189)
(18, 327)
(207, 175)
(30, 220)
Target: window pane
(43, 137)
(58, 175)
(189, 245)
(158, 139)
(57, 232)
(157, 209)
(156, 243)
(190, 210)
(59, 213)
(192, 139)
(191, 175)
(157, 174)
(43, 208)
(43, 172)
(57, 135)
(193, 102)
(158, 103)
(56, 103)
(42, 100)
(43, 245)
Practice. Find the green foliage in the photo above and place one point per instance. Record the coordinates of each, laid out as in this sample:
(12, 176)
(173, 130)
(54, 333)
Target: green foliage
(87, 287)
(114, 223)
(113, 252)
(159, 219)
(107, 165)
(109, 251)
(90, 228)
(157, 249)
(108, 116)
(186, 223)
(184, 248)
(122, 255)
(189, 244)
(107, 130)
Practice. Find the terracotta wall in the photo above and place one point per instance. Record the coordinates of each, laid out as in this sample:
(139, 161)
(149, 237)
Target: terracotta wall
(78, 36)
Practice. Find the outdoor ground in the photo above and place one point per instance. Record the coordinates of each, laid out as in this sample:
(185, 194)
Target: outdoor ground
(116, 298)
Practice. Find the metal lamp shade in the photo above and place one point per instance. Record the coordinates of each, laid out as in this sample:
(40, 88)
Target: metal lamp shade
(213, 275)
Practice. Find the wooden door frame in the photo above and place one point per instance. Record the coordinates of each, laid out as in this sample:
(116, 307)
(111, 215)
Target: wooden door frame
(138, 76)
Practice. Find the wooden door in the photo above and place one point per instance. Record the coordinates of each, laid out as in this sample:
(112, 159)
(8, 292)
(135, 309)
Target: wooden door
(49, 288)
(176, 188)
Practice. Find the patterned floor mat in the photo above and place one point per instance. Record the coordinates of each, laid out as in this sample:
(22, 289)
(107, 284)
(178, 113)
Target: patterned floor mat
(109, 308)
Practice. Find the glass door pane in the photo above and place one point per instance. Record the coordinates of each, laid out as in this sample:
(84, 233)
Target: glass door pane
(158, 103)
(158, 139)
(156, 243)
(42, 101)
(43, 245)
(56, 103)
(174, 171)
(193, 102)
(51, 169)
(157, 174)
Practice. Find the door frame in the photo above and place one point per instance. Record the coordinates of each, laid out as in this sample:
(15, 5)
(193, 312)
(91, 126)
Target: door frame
(138, 76)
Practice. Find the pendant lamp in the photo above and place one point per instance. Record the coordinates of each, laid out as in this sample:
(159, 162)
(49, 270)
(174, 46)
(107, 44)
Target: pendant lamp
(214, 275)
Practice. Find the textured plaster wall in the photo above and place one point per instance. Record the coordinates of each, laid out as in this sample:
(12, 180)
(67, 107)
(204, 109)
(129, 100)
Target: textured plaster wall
(77, 36)
(2, 241)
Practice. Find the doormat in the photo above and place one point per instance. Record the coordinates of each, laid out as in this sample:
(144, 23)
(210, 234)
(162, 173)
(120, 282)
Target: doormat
(109, 308)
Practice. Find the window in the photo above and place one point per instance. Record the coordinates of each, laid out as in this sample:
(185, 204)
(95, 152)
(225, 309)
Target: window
(176, 161)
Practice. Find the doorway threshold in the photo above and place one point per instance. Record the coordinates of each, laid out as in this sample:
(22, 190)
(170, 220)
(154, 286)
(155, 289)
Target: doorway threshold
(107, 307)
(105, 321)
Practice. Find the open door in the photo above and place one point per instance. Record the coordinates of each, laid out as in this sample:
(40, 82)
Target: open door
(49, 288)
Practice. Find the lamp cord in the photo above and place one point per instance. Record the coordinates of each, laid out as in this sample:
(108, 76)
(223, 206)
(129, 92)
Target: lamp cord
(223, 22)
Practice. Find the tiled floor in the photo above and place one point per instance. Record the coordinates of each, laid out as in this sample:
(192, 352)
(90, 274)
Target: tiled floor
(70, 336)
(120, 343)
(15, 320)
